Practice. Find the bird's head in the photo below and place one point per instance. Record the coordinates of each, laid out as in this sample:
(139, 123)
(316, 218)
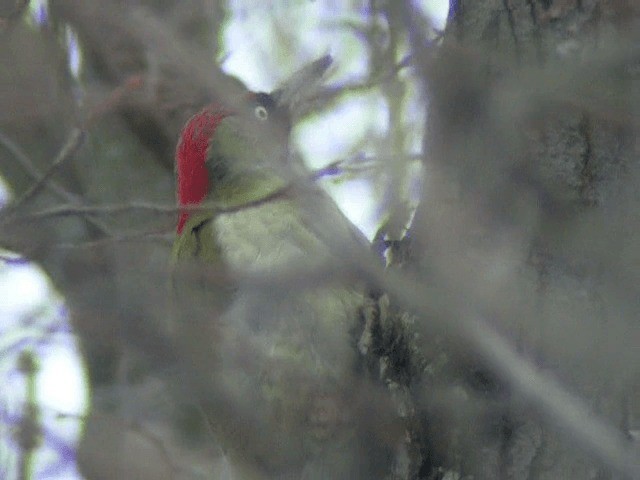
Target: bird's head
(232, 151)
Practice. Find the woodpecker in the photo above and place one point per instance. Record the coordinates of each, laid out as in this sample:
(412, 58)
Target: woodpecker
(274, 368)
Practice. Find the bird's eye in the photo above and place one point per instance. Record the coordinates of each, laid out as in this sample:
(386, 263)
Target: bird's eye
(261, 113)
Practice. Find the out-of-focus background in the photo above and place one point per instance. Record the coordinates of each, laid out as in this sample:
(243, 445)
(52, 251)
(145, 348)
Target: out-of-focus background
(495, 155)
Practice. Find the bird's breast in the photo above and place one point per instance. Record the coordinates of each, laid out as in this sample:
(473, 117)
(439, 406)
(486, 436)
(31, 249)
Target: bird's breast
(268, 235)
(274, 235)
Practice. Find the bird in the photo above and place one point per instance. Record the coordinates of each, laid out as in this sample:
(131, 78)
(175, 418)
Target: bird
(273, 367)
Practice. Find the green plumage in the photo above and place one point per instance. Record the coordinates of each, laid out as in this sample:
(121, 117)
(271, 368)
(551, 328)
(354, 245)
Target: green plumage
(267, 364)
(197, 240)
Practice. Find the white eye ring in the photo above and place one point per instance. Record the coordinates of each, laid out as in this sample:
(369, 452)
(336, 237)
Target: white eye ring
(261, 113)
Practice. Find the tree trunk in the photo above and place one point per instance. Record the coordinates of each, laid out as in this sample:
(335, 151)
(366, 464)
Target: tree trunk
(529, 214)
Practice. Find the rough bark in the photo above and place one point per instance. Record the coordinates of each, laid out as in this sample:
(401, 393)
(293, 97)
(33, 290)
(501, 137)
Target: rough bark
(532, 161)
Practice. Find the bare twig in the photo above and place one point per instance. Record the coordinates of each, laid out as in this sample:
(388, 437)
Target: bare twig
(71, 210)
(361, 164)
(134, 82)
(75, 138)
(167, 238)
(26, 163)
(71, 145)
(218, 208)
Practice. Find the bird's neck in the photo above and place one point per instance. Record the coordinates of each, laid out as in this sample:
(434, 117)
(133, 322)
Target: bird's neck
(247, 189)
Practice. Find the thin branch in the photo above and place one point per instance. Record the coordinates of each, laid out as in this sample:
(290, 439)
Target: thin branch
(358, 164)
(75, 139)
(134, 82)
(115, 209)
(167, 238)
(119, 209)
(217, 208)
(73, 142)
(26, 163)
(28, 166)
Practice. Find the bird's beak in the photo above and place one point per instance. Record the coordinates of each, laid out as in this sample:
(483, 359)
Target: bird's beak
(298, 92)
